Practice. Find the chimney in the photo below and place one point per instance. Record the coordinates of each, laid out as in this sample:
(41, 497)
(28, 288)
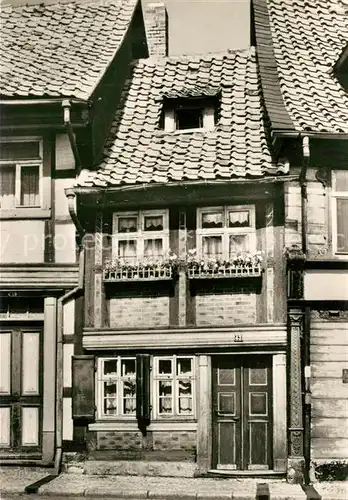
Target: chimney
(156, 23)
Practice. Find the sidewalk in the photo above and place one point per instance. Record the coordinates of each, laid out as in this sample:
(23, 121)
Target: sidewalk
(13, 481)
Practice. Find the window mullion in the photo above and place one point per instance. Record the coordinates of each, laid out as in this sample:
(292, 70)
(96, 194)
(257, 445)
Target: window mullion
(18, 185)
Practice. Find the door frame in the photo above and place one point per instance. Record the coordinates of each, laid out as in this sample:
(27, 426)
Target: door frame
(205, 409)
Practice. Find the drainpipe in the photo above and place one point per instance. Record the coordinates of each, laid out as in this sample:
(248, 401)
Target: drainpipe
(66, 105)
(59, 388)
(69, 193)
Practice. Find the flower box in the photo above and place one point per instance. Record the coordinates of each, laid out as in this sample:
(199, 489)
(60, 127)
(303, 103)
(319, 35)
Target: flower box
(228, 271)
(138, 273)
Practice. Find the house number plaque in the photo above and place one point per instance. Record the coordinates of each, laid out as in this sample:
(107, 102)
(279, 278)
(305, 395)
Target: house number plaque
(238, 337)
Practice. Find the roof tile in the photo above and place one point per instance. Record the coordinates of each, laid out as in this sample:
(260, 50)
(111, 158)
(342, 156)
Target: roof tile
(237, 147)
(307, 39)
(60, 49)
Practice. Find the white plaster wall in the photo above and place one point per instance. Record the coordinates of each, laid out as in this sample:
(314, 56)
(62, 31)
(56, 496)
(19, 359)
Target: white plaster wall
(22, 241)
(67, 419)
(69, 318)
(68, 352)
(64, 243)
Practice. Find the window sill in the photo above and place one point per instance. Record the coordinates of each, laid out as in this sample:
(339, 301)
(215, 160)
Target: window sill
(132, 425)
(25, 213)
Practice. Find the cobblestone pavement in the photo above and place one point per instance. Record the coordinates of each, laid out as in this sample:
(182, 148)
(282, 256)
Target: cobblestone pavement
(13, 481)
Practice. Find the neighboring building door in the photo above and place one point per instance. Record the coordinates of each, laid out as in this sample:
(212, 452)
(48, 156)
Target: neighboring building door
(242, 409)
(20, 391)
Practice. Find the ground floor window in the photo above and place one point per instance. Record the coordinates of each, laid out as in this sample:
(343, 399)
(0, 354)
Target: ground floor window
(116, 387)
(172, 387)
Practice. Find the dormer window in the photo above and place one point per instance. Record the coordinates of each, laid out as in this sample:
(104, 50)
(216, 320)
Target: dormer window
(189, 114)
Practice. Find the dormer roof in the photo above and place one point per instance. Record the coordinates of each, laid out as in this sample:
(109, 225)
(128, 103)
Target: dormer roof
(298, 44)
(139, 151)
(60, 49)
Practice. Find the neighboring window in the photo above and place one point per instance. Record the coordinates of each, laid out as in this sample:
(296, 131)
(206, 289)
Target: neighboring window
(340, 211)
(20, 173)
(141, 236)
(116, 387)
(189, 114)
(223, 232)
(174, 386)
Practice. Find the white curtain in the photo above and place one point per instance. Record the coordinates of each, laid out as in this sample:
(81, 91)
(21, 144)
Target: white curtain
(212, 247)
(153, 248)
(127, 250)
(7, 186)
(239, 219)
(238, 243)
(213, 219)
(342, 225)
(30, 186)
(127, 224)
(154, 223)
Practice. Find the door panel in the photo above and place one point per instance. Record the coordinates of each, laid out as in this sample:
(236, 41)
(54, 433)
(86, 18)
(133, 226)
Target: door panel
(20, 391)
(242, 412)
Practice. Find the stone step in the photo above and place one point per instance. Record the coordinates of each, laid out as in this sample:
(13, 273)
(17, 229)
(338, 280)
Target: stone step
(132, 468)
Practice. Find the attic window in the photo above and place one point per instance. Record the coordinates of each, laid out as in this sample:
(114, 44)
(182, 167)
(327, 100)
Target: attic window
(187, 118)
(189, 114)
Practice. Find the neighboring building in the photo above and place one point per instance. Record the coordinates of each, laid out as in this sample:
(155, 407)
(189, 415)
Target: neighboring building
(301, 47)
(63, 66)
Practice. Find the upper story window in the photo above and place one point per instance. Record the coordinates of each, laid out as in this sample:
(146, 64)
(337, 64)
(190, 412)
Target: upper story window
(140, 236)
(116, 387)
(20, 173)
(340, 211)
(189, 114)
(223, 232)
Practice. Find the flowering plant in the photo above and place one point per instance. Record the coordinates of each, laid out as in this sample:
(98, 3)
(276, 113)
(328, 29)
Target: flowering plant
(241, 259)
(115, 264)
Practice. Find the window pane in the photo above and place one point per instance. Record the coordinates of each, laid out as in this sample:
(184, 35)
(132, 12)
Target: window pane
(239, 219)
(128, 367)
(30, 186)
(7, 186)
(127, 250)
(129, 400)
(212, 247)
(165, 366)
(153, 248)
(165, 397)
(153, 223)
(238, 243)
(189, 118)
(212, 220)
(185, 406)
(26, 150)
(342, 225)
(110, 367)
(341, 180)
(127, 224)
(110, 398)
(184, 366)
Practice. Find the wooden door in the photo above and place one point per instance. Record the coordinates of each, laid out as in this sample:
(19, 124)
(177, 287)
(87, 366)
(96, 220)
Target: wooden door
(20, 392)
(242, 423)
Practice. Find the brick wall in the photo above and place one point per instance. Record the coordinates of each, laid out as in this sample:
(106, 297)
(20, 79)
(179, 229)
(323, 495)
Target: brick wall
(156, 29)
(138, 307)
(117, 440)
(225, 304)
(174, 440)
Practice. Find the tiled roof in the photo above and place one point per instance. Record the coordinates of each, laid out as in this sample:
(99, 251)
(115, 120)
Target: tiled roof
(60, 49)
(138, 151)
(299, 42)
